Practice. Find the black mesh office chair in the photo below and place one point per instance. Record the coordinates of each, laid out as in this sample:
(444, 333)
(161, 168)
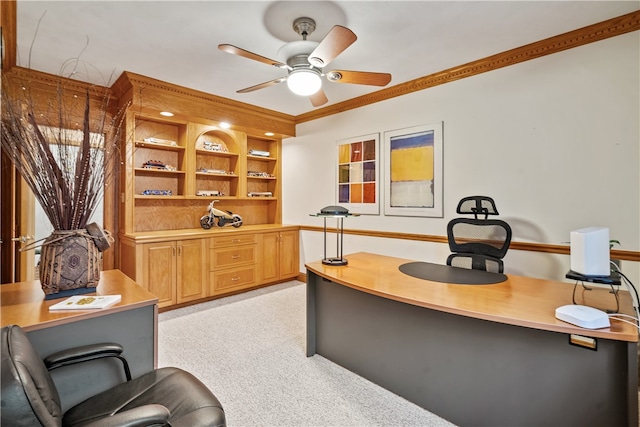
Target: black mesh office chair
(163, 397)
(478, 243)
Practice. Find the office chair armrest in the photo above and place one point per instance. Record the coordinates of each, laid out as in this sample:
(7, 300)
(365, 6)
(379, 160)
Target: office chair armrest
(85, 353)
(142, 416)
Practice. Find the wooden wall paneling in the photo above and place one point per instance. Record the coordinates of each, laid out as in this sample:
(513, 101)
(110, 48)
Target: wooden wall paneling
(9, 27)
(7, 220)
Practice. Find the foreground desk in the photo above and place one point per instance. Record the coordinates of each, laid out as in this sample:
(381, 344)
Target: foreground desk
(492, 355)
(132, 322)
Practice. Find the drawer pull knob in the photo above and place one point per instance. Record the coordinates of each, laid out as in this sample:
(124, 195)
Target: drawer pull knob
(235, 256)
(235, 279)
(236, 240)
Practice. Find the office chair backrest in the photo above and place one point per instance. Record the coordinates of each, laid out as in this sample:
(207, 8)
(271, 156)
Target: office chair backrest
(479, 236)
(478, 242)
(29, 396)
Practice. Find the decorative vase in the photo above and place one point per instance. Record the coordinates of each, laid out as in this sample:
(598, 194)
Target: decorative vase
(69, 264)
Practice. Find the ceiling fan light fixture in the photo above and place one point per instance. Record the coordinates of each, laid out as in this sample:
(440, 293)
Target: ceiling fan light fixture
(304, 82)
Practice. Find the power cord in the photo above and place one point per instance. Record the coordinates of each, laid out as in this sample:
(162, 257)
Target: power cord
(617, 316)
(634, 298)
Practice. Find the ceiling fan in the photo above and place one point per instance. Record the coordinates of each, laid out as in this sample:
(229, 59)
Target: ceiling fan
(306, 59)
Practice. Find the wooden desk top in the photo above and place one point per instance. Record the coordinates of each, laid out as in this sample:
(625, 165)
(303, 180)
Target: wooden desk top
(23, 303)
(521, 301)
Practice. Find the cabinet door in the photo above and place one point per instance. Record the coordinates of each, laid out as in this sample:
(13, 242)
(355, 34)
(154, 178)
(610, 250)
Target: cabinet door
(288, 254)
(192, 270)
(269, 257)
(159, 271)
(279, 257)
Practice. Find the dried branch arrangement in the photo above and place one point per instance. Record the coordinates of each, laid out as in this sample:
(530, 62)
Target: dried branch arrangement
(65, 148)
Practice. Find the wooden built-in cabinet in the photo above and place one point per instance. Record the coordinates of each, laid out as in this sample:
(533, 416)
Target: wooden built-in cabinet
(174, 167)
(185, 266)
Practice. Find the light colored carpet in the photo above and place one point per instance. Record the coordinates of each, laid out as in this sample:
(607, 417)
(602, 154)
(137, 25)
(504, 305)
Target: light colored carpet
(249, 349)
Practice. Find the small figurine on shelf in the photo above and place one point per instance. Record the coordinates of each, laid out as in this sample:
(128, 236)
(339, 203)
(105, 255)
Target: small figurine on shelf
(209, 193)
(212, 146)
(260, 153)
(222, 217)
(161, 141)
(157, 193)
(259, 174)
(157, 164)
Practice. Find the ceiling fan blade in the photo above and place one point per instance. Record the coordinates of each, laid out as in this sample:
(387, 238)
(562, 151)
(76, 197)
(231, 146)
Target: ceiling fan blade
(359, 77)
(262, 85)
(333, 44)
(250, 55)
(319, 98)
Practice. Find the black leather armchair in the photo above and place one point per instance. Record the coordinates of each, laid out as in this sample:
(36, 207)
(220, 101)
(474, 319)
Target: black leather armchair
(163, 397)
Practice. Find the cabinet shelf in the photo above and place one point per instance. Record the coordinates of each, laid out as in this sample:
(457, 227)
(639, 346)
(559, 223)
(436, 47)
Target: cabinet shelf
(262, 178)
(207, 198)
(217, 175)
(157, 146)
(216, 153)
(154, 197)
(261, 158)
(145, 171)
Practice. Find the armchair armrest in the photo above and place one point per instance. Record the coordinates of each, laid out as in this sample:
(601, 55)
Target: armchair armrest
(85, 353)
(142, 416)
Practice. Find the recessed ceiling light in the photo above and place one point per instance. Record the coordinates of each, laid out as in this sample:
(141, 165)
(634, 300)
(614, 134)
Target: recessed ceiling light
(166, 113)
(269, 133)
(225, 125)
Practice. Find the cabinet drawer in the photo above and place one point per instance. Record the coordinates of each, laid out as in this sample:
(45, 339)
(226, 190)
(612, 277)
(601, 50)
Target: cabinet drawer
(243, 239)
(232, 279)
(232, 256)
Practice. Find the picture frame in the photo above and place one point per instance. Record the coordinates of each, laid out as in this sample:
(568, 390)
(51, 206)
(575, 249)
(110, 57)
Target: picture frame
(413, 167)
(358, 174)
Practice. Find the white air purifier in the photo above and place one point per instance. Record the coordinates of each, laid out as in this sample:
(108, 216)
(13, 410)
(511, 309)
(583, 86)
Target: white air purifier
(590, 251)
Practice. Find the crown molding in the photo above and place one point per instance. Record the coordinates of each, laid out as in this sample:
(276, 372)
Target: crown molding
(589, 34)
(51, 83)
(158, 94)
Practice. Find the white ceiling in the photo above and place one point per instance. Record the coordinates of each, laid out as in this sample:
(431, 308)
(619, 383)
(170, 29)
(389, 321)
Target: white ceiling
(176, 41)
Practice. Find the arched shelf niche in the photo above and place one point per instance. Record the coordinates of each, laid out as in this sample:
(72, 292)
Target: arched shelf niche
(217, 165)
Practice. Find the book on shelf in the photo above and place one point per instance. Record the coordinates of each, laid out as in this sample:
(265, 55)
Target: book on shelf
(86, 302)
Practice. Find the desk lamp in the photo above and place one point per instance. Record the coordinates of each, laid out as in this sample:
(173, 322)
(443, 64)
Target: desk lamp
(340, 214)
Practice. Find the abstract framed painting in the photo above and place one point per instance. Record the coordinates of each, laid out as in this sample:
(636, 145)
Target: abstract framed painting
(413, 171)
(358, 176)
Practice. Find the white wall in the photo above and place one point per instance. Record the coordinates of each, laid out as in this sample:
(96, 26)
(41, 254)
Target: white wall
(555, 141)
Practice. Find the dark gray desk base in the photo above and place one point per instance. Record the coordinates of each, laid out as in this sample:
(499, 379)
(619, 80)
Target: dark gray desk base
(471, 371)
(134, 329)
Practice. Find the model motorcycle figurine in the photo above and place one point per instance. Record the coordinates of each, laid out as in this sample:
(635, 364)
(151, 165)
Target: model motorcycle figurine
(221, 217)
